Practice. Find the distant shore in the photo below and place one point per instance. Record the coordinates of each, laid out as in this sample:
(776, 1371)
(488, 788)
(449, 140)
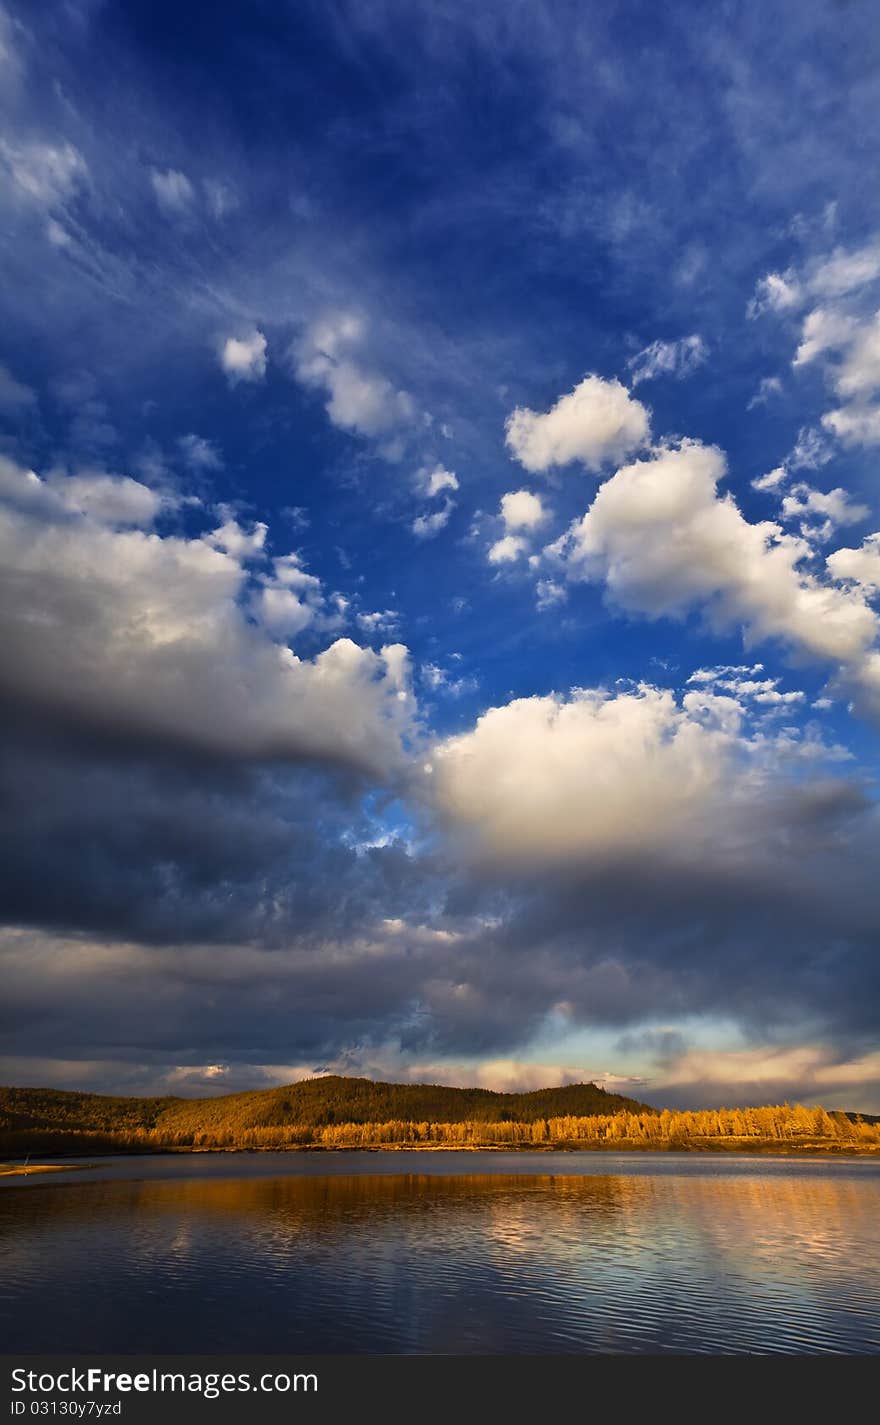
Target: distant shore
(749, 1146)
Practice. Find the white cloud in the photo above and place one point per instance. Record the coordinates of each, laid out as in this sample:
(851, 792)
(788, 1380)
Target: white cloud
(507, 549)
(234, 540)
(824, 329)
(669, 358)
(520, 509)
(768, 1073)
(382, 621)
(14, 395)
(440, 680)
(859, 372)
(819, 514)
(150, 636)
(772, 480)
(173, 190)
(845, 271)
(290, 599)
(841, 330)
(741, 684)
(114, 500)
(664, 542)
(595, 423)
(768, 387)
(861, 565)
(434, 482)
(598, 775)
(45, 174)
(244, 358)
(200, 454)
(811, 451)
(330, 357)
(854, 425)
(426, 526)
(777, 292)
(281, 611)
(550, 594)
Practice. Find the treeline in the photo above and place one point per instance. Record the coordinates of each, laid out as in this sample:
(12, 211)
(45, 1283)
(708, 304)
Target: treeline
(776, 1125)
(314, 1103)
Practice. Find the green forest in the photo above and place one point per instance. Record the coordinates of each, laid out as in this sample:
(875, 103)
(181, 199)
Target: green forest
(336, 1113)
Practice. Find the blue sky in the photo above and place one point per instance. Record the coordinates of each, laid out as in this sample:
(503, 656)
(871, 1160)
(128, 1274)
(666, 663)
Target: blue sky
(437, 529)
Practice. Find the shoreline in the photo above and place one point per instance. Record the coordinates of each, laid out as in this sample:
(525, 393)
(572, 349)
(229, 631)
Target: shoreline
(19, 1170)
(744, 1147)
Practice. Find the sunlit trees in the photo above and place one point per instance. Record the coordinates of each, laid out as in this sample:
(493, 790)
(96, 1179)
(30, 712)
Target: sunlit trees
(44, 1121)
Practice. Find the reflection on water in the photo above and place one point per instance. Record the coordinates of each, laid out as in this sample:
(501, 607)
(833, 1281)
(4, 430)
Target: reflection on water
(747, 1261)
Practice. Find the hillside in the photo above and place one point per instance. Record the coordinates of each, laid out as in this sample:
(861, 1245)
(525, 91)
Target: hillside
(43, 1118)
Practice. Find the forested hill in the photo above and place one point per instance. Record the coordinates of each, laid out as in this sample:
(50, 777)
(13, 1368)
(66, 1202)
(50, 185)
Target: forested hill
(312, 1103)
(339, 1113)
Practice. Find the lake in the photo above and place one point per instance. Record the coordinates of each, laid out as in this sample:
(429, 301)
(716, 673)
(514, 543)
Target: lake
(446, 1252)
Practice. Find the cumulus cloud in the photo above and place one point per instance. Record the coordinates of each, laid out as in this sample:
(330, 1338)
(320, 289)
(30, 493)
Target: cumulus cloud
(741, 683)
(428, 525)
(840, 331)
(596, 423)
(521, 513)
(331, 357)
(434, 481)
(149, 636)
(771, 481)
(669, 358)
(601, 775)
(818, 514)
(113, 500)
(507, 549)
(380, 622)
(859, 371)
(861, 565)
(244, 358)
(290, 599)
(240, 543)
(521, 510)
(664, 541)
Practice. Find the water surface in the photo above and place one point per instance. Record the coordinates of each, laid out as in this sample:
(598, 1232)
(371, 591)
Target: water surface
(444, 1253)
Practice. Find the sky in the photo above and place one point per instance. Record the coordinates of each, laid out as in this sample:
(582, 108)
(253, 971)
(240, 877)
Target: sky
(440, 546)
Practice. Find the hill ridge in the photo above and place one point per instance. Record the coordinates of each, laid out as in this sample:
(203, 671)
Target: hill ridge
(29, 1114)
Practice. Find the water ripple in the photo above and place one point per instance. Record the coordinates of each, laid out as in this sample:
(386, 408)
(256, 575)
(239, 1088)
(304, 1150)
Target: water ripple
(747, 1261)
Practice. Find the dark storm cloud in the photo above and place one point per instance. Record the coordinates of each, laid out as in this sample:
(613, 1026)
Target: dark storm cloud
(199, 919)
(176, 849)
